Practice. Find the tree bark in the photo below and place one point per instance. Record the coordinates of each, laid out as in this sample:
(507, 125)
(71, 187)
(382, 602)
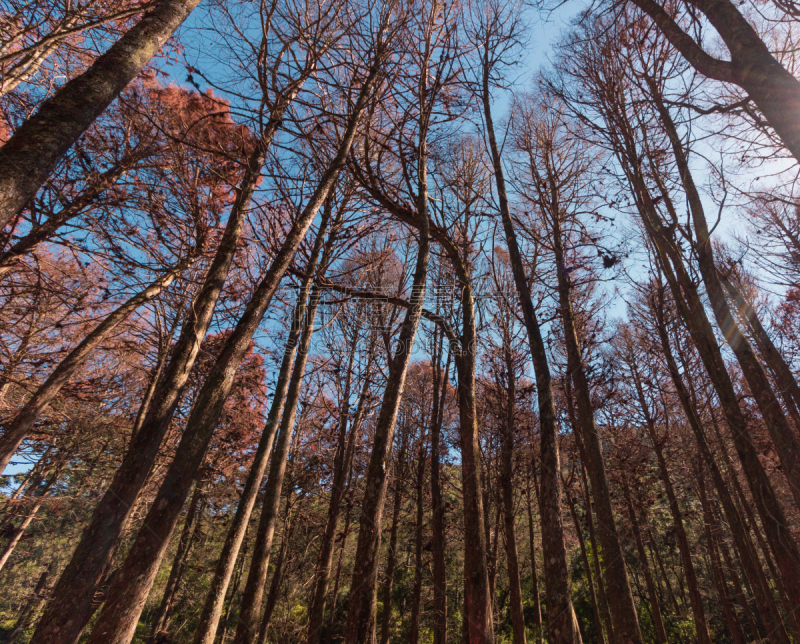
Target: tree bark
(584, 485)
(338, 576)
(537, 606)
(438, 545)
(162, 617)
(416, 592)
(30, 155)
(478, 595)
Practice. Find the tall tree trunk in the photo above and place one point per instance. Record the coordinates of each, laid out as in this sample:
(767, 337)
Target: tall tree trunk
(562, 624)
(117, 621)
(361, 614)
(658, 621)
(438, 545)
(23, 422)
(391, 560)
(30, 155)
(277, 575)
(71, 606)
(478, 577)
(222, 630)
(620, 597)
(416, 592)
(215, 599)
(507, 489)
(253, 594)
(338, 576)
(537, 606)
(342, 463)
(751, 524)
(162, 616)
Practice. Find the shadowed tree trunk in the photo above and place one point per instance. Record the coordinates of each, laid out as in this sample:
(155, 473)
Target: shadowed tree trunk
(587, 500)
(222, 630)
(537, 606)
(338, 576)
(30, 155)
(440, 381)
(416, 592)
(162, 617)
